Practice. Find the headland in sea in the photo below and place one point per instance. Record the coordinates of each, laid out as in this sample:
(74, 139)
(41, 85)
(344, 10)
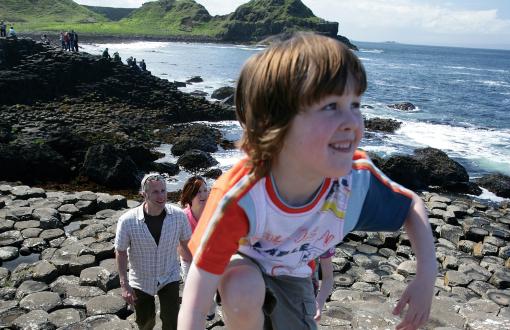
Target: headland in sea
(92, 125)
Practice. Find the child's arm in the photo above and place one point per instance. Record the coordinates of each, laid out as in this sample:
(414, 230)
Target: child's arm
(419, 292)
(198, 293)
(326, 285)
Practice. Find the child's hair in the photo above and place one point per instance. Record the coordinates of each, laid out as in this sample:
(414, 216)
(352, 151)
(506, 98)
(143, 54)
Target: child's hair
(190, 189)
(279, 82)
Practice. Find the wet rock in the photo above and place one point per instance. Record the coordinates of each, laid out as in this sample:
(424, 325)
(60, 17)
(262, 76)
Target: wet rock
(8, 253)
(65, 317)
(48, 217)
(113, 202)
(500, 279)
(223, 93)
(106, 165)
(51, 234)
(416, 175)
(26, 192)
(168, 168)
(194, 79)
(11, 237)
(403, 106)
(6, 225)
(106, 305)
(382, 125)
(194, 160)
(29, 287)
(100, 277)
(35, 319)
(497, 183)
(46, 301)
(443, 169)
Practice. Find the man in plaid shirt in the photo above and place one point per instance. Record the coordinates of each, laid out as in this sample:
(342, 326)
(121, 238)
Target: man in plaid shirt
(148, 236)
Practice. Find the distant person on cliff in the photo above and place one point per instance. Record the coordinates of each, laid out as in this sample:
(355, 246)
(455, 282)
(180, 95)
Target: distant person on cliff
(105, 54)
(3, 29)
(143, 67)
(116, 57)
(45, 40)
(129, 61)
(71, 41)
(66, 40)
(148, 237)
(12, 33)
(75, 41)
(62, 40)
(302, 187)
(193, 198)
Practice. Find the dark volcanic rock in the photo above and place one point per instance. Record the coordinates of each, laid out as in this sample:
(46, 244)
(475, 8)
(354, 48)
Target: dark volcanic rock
(497, 183)
(109, 166)
(404, 106)
(195, 160)
(55, 105)
(407, 171)
(443, 170)
(382, 124)
(223, 92)
(31, 162)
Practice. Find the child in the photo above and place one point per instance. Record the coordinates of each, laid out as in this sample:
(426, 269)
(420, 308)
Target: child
(301, 189)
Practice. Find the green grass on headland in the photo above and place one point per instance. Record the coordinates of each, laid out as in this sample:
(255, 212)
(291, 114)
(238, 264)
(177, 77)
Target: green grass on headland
(252, 21)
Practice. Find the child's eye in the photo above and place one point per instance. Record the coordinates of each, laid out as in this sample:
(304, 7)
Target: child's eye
(331, 106)
(355, 105)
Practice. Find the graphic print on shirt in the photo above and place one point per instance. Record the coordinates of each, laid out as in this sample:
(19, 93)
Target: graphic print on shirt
(311, 239)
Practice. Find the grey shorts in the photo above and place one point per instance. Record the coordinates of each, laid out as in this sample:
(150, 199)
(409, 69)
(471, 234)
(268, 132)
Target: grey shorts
(289, 302)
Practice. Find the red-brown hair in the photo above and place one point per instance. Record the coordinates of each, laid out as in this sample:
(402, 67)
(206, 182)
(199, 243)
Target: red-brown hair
(190, 189)
(279, 82)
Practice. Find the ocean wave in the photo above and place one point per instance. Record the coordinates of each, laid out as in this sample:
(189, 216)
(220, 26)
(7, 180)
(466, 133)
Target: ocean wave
(467, 141)
(474, 69)
(374, 51)
(497, 83)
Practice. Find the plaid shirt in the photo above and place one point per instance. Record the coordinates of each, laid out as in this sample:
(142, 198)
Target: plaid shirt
(152, 266)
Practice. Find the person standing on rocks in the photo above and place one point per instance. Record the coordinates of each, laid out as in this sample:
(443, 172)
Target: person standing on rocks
(301, 189)
(75, 41)
(12, 33)
(3, 29)
(149, 236)
(143, 66)
(106, 55)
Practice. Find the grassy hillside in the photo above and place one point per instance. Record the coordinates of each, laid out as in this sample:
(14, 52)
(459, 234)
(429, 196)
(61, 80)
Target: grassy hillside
(259, 19)
(36, 12)
(113, 14)
(252, 21)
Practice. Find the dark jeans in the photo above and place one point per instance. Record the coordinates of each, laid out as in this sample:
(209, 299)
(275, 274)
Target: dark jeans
(146, 309)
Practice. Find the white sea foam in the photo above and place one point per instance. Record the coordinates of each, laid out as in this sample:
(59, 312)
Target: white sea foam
(375, 51)
(482, 146)
(474, 69)
(138, 45)
(497, 83)
(487, 195)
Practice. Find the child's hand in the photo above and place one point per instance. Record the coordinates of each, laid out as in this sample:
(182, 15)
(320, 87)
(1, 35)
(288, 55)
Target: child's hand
(418, 295)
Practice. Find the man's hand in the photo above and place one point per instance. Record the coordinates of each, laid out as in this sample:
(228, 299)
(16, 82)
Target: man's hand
(128, 294)
(418, 295)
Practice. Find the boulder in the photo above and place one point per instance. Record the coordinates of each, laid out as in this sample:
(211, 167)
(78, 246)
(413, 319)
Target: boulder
(111, 167)
(498, 183)
(223, 93)
(443, 170)
(382, 125)
(194, 160)
(403, 106)
(407, 171)
(194, 79)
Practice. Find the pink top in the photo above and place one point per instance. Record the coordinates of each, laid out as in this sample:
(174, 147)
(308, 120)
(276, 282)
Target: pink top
(191, 219)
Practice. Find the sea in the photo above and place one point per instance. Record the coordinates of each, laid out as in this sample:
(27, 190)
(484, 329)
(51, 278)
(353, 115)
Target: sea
(462, 95)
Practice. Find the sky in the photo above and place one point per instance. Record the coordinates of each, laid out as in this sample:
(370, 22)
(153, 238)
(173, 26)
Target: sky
(462, 23)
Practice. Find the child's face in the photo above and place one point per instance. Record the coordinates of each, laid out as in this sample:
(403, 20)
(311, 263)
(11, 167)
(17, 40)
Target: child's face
(322, 139)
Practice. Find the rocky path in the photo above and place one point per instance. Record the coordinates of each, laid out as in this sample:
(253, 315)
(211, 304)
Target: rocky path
(58, 268)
